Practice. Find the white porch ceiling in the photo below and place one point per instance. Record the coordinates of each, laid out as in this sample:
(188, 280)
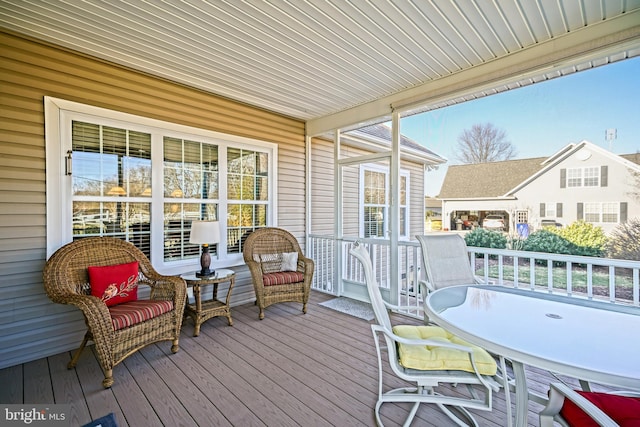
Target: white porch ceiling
(340, 63)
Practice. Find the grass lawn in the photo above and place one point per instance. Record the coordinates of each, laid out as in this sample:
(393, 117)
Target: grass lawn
(600, 279)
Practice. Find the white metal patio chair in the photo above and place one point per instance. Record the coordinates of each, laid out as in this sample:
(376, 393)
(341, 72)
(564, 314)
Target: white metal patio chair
(445, 262)
(426, 356)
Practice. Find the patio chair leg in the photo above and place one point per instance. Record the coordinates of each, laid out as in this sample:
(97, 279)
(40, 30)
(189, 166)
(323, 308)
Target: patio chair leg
(107, 382)
(76, 355)
(174, 346)
(261, 316)
(304, 308)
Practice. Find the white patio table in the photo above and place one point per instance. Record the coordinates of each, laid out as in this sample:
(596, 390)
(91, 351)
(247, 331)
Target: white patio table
(589, 340)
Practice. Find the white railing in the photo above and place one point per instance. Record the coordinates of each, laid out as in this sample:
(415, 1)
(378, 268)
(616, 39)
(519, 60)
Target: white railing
(616, 281)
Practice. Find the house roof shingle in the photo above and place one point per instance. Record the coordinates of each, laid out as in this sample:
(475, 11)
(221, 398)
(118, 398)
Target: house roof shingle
(492, 179)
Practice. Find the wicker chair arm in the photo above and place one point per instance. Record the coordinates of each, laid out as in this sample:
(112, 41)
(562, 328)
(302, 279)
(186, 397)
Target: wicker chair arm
(305, 264)
(255, 268)
(94, 310)
(168, 288)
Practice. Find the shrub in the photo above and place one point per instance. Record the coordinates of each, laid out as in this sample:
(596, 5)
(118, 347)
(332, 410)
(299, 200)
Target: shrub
(624, 242)
(483, 238)
(548, 241)
(589, 239)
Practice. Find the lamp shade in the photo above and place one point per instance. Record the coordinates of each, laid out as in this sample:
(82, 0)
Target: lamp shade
(205, 232)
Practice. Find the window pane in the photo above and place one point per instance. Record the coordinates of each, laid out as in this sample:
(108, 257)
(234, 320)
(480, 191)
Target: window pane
(242, 219)
(574, 177)
(403, 191)
(610, 212)
(374, 221)
(592, 212)
(110, 165)
(89, 219)
(138, 164)
(592, 177)
(550, 209)
(192, 170)
(86, 177)
(172, 167)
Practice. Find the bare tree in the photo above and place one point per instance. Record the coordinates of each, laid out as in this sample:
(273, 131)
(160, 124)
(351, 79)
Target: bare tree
(484, 143)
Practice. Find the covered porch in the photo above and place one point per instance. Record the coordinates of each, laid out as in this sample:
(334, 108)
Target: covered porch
(289, 369)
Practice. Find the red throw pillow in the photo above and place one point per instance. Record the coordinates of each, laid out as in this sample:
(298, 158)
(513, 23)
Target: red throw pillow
(115, 284)
(624, 410)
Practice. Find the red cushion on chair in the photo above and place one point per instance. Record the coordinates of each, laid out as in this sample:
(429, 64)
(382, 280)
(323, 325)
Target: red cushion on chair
(115, 284)
(282, 278)
(624, 410)
(125, 315)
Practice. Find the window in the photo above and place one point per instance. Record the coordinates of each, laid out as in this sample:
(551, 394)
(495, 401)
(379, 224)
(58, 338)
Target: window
(592, 177)
(550, 210)
(610, 212)
(146, 181)
(574, 177)
(602, 212)
(375, 202)
(584, 177)
(592, 212)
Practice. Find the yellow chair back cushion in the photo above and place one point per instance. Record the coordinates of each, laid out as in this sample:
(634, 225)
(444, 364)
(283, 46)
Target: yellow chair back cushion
(424, 357)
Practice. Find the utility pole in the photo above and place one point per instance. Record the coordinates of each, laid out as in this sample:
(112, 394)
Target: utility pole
(610, 135)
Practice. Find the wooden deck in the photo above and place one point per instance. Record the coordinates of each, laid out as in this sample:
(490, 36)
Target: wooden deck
(289, 369)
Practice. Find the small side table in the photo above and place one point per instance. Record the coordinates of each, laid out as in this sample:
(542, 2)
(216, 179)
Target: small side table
(201, 311)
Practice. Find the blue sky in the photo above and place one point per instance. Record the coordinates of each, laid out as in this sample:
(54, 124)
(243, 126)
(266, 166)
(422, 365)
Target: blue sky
(542, 118)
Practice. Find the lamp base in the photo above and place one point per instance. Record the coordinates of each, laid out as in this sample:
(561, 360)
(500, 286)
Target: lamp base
(206, 274)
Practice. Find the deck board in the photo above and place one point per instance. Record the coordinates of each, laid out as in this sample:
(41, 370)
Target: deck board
(290, 369)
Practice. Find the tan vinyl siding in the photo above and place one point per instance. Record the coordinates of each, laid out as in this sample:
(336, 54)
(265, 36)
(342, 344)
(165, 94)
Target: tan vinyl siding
(30, 325)
(322, 181)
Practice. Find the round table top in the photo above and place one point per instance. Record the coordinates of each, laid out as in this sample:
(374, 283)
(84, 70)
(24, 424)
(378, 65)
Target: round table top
(586, 339)
(220, 273)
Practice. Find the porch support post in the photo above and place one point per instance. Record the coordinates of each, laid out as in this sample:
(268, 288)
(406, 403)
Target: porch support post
(337, 230)
(307, 191)
(394, 208)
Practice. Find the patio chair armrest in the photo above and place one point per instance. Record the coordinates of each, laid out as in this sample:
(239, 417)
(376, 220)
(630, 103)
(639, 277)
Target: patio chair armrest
(93, 308)
(429, 342)
(169, 288)
(426, 286)
(558, 392)
(400, 307)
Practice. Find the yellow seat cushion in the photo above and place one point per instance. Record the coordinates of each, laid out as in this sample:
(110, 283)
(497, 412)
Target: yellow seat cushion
(425, 357)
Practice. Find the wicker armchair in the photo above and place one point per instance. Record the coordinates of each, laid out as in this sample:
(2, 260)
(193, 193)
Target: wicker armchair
(66, 281)
(263, 253)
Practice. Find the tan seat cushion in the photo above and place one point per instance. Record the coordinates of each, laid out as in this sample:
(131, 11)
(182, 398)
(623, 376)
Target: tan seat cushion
(423, 357)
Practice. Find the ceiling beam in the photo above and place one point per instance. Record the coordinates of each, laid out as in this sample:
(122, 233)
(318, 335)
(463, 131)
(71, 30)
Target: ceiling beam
(607, 37)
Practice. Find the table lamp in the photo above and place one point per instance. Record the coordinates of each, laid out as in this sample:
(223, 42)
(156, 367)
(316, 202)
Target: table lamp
(205, 233)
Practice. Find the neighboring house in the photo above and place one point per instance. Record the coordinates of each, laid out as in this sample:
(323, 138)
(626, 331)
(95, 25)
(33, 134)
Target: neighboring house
(580, 182)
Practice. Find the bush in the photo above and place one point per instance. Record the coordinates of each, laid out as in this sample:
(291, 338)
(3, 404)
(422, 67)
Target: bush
(624, 242)
(547, 241)
(589, 239)
(483, 238)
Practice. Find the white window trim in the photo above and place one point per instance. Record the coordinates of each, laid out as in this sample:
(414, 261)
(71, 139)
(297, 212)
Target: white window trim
(58, 185)
(383, 169)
